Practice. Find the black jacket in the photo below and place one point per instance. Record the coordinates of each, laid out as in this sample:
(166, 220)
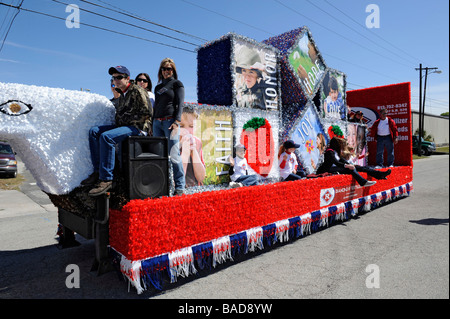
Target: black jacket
(169, 99)
(329, 160)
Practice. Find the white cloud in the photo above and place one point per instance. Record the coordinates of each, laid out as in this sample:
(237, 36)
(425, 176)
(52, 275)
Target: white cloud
(9, 61)
(51, 52)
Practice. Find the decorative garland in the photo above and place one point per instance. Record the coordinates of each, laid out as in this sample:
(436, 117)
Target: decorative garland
(150, 227)
(147, 272)
(335, 131)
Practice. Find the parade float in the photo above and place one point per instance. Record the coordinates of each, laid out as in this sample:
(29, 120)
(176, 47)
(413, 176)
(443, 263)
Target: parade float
(154, 237)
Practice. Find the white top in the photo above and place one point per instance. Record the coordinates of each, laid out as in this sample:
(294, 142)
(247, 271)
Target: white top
(383, 127)
(152, 97)
(291, 163)
(240, 168)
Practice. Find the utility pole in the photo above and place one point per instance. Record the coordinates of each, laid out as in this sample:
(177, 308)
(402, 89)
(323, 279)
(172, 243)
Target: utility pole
(422, 102)
(435, 70)
(420, 111)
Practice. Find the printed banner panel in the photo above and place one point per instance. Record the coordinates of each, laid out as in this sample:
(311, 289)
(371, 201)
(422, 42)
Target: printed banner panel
(206, 143)
(310, 134)
(307, 64)
(356, 138)
(333, 96)
(258, 131)
(256, 76)
(396, 99)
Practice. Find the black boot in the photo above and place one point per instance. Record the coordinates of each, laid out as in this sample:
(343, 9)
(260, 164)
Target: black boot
(381, 174)
(377, 174)
(91, 180)
(385, 174)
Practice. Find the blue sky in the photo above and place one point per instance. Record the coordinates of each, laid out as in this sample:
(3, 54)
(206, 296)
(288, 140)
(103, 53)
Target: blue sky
(41, 50)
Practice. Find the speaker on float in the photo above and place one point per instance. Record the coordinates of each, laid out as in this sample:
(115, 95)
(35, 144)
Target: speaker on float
(146, 162)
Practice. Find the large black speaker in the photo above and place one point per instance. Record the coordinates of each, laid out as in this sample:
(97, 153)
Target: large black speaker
(146, 163)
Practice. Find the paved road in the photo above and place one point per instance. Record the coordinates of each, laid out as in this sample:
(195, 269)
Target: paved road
(406, 243)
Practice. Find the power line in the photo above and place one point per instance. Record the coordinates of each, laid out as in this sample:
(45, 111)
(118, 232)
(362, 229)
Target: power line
(222, 15)
(135, 16)
(5, 19)
(362, 26)
(345, 24)
(324, 53)
(354, 84)
(362, 67)
(441, 102)
(99, 28)
(10, 24)
(127, 23)
(340, 35)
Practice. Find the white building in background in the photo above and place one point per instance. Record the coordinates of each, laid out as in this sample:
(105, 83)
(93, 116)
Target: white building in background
(434, 125)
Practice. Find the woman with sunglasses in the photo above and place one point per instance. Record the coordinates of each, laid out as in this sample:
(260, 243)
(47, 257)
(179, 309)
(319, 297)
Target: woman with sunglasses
(169, 101)
(143, 80)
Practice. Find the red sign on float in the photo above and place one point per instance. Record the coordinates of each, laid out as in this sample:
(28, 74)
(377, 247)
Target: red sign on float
(396, 99)
(336, 195)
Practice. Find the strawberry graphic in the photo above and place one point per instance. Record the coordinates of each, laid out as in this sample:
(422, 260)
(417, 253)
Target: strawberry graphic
(257, 137)
(335, 130)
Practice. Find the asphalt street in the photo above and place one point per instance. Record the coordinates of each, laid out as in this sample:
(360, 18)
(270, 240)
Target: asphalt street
(404, 244)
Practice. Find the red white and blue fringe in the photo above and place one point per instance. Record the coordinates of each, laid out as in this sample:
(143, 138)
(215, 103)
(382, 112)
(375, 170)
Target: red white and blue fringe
(142, 274)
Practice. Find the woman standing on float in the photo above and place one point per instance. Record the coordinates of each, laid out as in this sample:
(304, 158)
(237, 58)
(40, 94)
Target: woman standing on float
(169, 100)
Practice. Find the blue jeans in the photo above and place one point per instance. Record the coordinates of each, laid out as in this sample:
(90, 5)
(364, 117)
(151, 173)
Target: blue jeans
(161, 129)
(382, 142)
(292, 177)
(102, 142)
(248, 180)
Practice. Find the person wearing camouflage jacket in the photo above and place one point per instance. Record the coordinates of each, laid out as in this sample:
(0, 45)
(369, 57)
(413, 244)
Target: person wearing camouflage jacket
(133, 117)
(133, 109)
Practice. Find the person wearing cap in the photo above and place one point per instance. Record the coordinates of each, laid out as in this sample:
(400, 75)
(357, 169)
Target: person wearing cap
(132, 118)
(251, 93)
(288, 162)
(356, 117)
(169, 102)
(239, 170)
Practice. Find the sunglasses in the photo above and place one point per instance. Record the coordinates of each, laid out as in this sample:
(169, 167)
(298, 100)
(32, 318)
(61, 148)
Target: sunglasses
(166, 69)
(142, 80)
(119, 77)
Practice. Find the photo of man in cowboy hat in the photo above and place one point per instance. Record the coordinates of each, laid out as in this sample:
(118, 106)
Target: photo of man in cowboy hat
(250, 85)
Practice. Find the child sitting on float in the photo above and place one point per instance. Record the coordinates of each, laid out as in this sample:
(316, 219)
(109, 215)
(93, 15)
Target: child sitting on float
(239, 170)
(334, 163)
(288, 162)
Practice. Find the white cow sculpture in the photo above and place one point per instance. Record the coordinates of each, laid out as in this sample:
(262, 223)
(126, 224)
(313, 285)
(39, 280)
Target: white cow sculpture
(48, 128)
